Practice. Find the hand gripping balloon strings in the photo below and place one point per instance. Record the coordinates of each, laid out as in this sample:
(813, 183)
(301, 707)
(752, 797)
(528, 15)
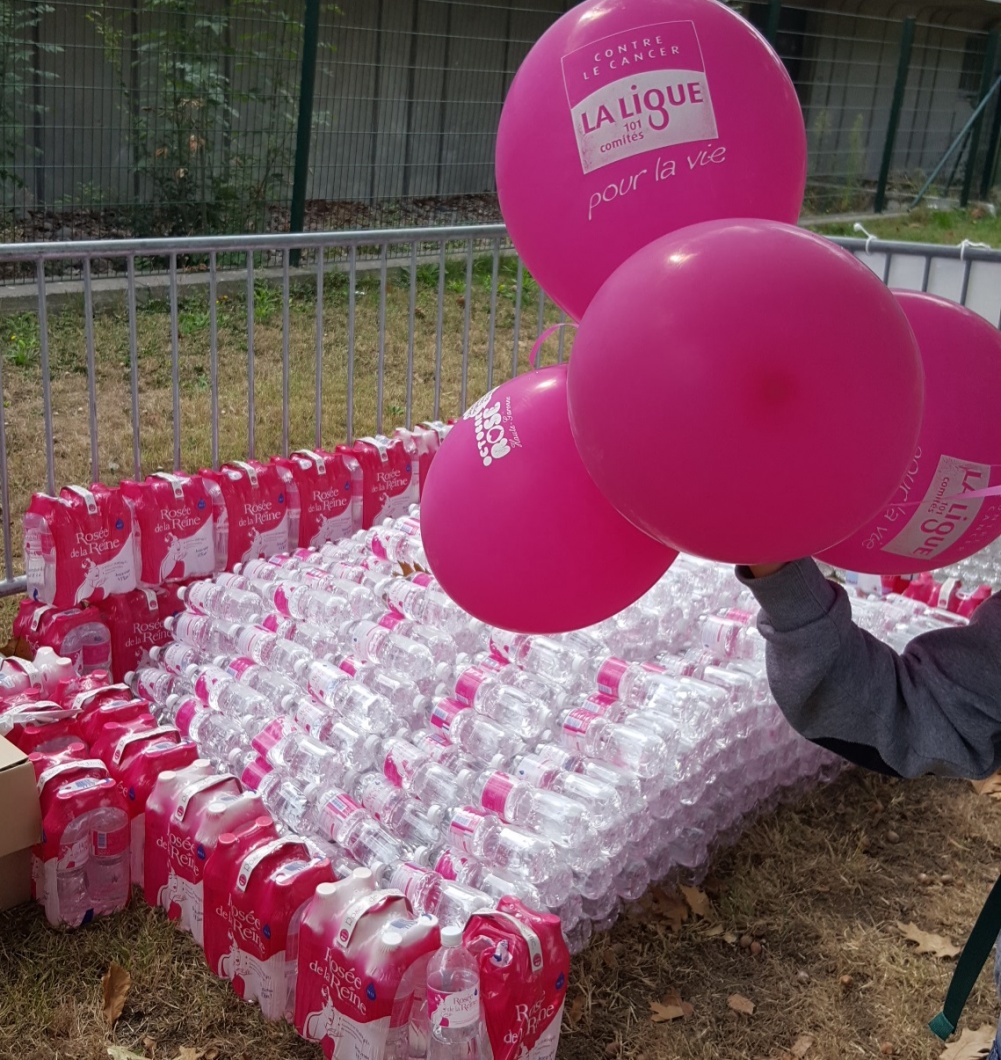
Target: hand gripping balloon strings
(534, 355)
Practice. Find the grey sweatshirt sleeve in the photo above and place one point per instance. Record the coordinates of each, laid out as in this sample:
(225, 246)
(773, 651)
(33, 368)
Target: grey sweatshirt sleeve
(935, 708)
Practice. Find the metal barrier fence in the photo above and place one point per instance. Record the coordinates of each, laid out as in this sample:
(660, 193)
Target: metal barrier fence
(104, 379)
(136, 118)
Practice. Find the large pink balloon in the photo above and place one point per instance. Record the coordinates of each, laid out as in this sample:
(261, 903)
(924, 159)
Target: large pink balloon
(631, 118)
(746, 391)
(513, 526)
(927, 525)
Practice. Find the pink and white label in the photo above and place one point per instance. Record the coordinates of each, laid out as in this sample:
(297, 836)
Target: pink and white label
(458, 1009)
(636, 91)
(444, 713)
(399, 765)
(239, 666)
(110, 844)
(463, 827)
(340, 807)
(576, 724)
(495, 791)
(536, 772)
(447, 866)
(943, 516)
(468, 683)
(272, 733)
(610, 675)
(600, 704)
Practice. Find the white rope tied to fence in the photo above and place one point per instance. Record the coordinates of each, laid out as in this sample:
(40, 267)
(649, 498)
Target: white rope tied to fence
(859, 227)
(969, 243)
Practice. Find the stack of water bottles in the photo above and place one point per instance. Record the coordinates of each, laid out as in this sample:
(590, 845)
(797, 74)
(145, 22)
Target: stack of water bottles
(461, 763)
(388, 822)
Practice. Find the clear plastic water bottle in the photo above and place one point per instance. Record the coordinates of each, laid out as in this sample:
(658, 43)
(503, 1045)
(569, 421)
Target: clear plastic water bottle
(399, 542)
(217, 736)
(538, 811)
(453, 991)
(108, 870)
(478, 737)
(176, 657)
(216, 688)
(426, 603)
(221, 601)
(320, 643)
(487, 838)
(603, 802)
(403, 695)
(272, 686)
(732, 635)
(330, 685)
(539, 655)
(156, 685)
(439, 748)
(399, 814)
(335, 816)
(305, 760)
(374, 643)
(405, 766)
(589, 734)
(209, 635)
(441, 645)
(270, 650)
(477, 687)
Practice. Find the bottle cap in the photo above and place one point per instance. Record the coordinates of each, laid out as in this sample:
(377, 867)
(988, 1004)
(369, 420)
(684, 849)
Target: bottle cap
(299, 665)
(451, 935)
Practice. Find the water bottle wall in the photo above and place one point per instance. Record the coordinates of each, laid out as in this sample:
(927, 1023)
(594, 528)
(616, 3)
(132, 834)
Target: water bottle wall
(463, 763)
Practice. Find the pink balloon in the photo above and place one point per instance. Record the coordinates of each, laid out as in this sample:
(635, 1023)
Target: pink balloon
(745, 391)
(927, 525)
(631, 118)
(513, 526)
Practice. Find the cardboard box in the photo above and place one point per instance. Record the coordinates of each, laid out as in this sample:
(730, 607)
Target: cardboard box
(20, 824)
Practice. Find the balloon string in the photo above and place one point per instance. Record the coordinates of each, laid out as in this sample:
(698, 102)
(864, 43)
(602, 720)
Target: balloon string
(534, 355)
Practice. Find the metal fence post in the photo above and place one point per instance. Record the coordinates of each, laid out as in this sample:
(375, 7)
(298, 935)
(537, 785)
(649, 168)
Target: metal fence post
(310, 35)
(899, 87)
(986, 79)
(991, 158)
(772, 25)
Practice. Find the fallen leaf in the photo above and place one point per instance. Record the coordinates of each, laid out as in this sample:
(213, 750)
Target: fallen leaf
(610, 958)
(114, 988)
(731, 937)
(698, 901)
(189, 1052)
(116, 1052)
(577, 1009)
(801, 1046)
(149, 1044)
(971, 1045)
(937, 945)
(740, 1004)
(714, 931)
(665, 1013)
(670, 907)
(988, 786)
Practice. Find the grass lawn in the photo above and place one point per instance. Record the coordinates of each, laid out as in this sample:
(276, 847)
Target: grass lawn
(926, 226)
(801, 921)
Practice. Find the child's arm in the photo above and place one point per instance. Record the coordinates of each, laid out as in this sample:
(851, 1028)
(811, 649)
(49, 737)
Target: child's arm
(934, 709)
